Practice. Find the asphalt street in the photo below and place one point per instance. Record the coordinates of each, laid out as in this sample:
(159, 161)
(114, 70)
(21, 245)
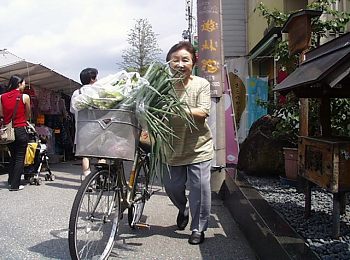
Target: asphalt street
(34, 225)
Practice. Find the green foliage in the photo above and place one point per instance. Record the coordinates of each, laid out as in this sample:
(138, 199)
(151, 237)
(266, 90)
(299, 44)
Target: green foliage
(336, 22)
(281, 51)
(287, 127)
(340, 116)
(273, 17)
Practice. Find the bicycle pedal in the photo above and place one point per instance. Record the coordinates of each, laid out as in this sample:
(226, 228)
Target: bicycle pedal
(142, 225)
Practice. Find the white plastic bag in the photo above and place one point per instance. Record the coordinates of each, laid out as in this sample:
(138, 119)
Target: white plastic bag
(107, 92)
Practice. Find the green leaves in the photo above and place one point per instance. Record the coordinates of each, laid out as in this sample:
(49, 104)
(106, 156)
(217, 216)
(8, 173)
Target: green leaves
(335, 22)
(340, 116)
(273, 17)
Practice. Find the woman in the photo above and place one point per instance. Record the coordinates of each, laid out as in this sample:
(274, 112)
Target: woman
(192, 152)
(14, 93)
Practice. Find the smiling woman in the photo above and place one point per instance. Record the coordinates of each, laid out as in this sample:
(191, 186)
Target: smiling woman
(191, 153)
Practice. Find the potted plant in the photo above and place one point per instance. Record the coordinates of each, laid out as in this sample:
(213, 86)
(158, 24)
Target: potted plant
(287, 129)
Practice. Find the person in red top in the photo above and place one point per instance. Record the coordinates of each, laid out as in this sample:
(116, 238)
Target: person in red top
(17, 148)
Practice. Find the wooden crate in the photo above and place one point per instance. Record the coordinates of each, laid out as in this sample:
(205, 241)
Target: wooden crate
(325, 162)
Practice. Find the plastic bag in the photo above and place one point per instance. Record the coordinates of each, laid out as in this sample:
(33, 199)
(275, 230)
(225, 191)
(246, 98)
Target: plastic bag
(30, 153)
(107, 92)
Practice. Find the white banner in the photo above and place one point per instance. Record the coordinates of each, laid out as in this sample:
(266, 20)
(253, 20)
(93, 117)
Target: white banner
(237, 69)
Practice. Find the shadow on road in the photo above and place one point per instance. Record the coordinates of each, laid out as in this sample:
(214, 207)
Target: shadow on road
(56, 248)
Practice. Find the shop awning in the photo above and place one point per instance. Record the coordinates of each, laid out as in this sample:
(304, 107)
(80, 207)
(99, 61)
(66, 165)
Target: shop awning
(36, 75)
(326, 73)
(264, 45)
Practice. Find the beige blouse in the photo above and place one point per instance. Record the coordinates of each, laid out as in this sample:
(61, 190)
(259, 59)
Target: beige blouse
(192, 145)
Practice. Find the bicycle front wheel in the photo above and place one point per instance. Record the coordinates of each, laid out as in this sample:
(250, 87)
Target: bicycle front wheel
(138, 192)
(94, 218)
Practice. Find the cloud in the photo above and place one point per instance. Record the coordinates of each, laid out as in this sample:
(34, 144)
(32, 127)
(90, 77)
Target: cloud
(69, 36)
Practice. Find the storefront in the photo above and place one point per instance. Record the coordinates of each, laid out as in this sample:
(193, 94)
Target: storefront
(50, 94)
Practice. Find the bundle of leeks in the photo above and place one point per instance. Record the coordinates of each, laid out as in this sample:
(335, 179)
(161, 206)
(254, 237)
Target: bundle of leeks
(155, 104)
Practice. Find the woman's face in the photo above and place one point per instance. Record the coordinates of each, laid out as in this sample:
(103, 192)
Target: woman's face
(181, 60)
(22, 85)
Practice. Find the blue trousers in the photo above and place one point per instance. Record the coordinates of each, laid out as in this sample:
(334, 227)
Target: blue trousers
(197, 176)
(18, 151)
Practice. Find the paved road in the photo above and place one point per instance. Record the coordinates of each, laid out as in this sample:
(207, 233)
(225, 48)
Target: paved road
(34, 225)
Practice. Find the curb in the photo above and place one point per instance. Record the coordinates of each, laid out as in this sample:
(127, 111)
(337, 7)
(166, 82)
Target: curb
(268, 233)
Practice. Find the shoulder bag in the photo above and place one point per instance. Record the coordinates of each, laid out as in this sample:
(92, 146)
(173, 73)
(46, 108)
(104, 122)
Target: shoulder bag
(7, 132)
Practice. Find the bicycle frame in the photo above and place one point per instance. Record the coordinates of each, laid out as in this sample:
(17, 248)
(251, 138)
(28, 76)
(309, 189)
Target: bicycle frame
(123, 186)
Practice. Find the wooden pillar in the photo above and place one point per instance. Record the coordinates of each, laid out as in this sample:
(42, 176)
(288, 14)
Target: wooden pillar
(304, 131)
(304, 107)
(342, 199)
(336, 215)
(307, 193)
(304, 117)
(325, 116)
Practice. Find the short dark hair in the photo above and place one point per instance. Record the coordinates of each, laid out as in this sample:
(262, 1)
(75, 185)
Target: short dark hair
(14, 82)
(87, 75)
(183, 45)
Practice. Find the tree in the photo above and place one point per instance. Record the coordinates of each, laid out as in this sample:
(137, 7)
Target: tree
(143, 48)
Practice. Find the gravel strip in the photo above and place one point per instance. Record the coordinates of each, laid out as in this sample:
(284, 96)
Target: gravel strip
(316, 230)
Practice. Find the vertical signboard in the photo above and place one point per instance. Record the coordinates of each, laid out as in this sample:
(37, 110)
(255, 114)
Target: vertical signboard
(210, 67)
(210, 44)
(232, 146)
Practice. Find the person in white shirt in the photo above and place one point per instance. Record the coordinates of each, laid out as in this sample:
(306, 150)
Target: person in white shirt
(88, 76)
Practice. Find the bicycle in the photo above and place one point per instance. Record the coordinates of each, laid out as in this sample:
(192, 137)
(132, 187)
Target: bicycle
(100, 202)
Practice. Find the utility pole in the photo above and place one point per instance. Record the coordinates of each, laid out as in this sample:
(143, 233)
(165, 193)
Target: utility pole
(189, 13)
(211, 67)
(188, 34)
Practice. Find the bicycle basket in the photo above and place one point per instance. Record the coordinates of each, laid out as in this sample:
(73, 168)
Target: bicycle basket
(110, 133)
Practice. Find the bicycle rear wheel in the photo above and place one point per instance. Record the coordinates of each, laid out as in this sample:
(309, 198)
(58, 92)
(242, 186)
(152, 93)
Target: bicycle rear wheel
(139, 190)
(94, 218)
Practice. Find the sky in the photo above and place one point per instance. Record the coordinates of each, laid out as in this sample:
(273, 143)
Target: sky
(70, 35)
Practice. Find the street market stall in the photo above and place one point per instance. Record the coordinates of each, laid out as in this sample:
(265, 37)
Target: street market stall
(50, 94)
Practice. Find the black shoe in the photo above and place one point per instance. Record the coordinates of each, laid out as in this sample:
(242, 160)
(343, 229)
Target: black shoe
(196, 238)
(182, 220)
(21, 187)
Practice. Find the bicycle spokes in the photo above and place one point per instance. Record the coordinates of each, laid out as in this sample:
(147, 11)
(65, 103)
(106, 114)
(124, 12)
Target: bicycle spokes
(94, 218)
